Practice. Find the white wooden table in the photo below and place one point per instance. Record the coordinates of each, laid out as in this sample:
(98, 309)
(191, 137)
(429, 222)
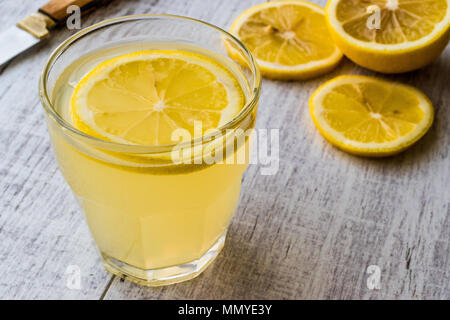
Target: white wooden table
(309, 232)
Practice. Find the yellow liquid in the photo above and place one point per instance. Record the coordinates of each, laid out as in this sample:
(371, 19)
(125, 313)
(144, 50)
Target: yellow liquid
(145, 215)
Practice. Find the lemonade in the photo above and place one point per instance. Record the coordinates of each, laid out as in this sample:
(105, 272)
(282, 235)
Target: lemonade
(146, 216)
(155, 220)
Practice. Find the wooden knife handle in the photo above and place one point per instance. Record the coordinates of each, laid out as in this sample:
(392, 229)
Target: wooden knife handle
(57, 9)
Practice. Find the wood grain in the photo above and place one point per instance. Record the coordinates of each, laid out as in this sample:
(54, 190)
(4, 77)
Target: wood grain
(309, 232)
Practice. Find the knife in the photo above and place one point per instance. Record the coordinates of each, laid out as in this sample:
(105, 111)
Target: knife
(36, 27)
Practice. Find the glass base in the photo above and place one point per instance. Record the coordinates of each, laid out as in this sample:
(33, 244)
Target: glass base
(163, 276)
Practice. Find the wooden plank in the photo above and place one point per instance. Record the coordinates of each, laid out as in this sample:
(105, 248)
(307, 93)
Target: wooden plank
(310, 231)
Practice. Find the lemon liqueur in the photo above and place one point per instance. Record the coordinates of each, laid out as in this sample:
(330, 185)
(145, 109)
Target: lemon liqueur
(146, 211)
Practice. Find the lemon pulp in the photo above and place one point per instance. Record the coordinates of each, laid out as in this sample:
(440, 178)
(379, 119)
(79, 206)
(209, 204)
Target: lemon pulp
(400, 20)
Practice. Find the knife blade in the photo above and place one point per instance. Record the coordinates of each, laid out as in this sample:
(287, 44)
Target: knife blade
(36, 26)
(14, 41)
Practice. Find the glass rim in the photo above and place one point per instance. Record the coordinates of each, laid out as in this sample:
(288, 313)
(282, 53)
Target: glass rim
(135, 148)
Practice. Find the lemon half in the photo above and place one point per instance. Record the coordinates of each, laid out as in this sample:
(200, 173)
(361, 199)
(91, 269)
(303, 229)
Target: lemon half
(390, 36)
(289, 39)
(143, 97)
(370, 117)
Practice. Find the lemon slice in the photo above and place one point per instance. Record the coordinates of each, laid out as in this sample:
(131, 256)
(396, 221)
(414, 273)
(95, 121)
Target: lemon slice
(371, 117)
(289, 39)
(143, 97)
(390, 36)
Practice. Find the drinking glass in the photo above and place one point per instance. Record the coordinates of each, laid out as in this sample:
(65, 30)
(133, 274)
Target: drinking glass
(155, 221)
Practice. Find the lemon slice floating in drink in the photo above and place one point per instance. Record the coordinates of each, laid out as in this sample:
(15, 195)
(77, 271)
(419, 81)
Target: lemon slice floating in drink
(370, 117)
(390, 36)
(289, 39)
(143, 97)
